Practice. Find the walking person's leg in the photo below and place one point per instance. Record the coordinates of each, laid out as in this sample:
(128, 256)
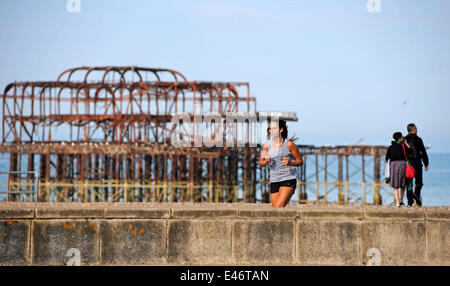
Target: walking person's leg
(402, 194)
(409, 191)
(419, 184)
(397, 203)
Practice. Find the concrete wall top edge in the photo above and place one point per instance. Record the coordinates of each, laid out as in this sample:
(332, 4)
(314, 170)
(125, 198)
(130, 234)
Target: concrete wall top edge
(437, 214)
(203, 213)
(172, 211)
(141, 212)
(268, 213)
(403, 214)
(11, 212)
(69, 212)
(209, 213)
(331, 214)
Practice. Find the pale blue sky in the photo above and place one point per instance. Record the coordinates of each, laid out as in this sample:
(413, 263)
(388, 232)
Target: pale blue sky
(345, 71)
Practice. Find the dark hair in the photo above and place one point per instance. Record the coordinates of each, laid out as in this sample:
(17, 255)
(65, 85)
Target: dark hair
(411, 127)
(284, 133)
(396, 136)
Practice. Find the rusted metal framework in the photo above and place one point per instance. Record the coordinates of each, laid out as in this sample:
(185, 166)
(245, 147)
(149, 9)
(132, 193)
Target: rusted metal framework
(104, 134)
(353, 170)
(112, 126)
(117, 106)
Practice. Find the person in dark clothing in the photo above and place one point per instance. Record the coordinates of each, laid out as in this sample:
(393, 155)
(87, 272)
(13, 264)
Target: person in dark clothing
(417, 155)
(396, 154)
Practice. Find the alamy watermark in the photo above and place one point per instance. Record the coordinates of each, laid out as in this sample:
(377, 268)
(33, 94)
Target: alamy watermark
(214, 130)
(373, 6)
(74, 255)
(374, 255)
(73, 6)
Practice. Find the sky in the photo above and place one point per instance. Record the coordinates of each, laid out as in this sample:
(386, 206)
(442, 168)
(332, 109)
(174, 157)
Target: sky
(348, 73)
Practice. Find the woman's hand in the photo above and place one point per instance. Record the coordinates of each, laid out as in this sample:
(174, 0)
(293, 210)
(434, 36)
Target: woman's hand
(406, 143)
(265, 156)
(286, 161)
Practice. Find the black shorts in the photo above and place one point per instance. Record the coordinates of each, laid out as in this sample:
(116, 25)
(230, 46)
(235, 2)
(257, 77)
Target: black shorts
(275, 187)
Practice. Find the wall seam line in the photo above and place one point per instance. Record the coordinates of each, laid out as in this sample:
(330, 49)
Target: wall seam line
(360, 255)
(167, 234)
(426, 239)
(295, 241)
(232, 240)
(100, 239)
(30, 243)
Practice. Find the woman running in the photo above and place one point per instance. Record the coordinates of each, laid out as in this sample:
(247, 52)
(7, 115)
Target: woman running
(283, 158)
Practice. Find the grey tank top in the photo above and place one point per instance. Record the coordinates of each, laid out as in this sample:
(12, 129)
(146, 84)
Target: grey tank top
(278, 171)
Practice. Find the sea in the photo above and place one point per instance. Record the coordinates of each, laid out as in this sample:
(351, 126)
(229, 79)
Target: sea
(435, 192)
(436, 189)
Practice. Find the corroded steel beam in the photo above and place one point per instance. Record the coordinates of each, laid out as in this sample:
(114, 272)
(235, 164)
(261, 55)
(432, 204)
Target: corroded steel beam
(127, 108)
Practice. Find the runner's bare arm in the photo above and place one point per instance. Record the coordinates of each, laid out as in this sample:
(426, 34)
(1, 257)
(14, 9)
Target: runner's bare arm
(294, 150)
(262, 159)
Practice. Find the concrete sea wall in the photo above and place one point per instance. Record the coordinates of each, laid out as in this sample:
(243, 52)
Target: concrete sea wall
(221, 234)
